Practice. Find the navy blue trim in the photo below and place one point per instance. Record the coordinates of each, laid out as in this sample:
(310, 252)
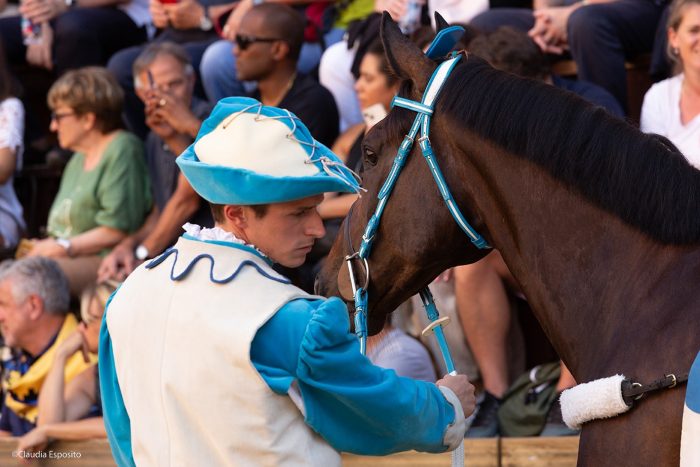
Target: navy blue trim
(157, 261)
(239, 246)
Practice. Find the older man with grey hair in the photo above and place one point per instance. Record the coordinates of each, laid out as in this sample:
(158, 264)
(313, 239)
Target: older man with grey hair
(164, 81)
(34, 320)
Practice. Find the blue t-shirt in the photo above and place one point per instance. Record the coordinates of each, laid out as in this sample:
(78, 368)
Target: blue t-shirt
(20, 362)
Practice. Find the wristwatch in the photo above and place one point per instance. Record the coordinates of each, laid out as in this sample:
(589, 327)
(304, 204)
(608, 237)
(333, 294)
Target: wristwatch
(65, 243)
(141, 252)
(205, 23)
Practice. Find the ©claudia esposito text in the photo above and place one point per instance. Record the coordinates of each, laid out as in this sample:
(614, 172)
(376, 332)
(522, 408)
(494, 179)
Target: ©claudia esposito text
(47, 454)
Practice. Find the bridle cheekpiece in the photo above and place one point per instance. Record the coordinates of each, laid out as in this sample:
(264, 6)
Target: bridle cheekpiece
(443, 43)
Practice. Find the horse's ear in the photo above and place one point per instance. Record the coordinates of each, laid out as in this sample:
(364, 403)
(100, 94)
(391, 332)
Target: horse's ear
(440, 22)
(405, 58)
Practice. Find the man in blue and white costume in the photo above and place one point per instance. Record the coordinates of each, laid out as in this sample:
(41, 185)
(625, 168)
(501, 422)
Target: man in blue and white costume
(209, 357)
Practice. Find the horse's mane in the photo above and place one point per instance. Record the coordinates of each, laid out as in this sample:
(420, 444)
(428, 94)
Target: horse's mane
(643, 179)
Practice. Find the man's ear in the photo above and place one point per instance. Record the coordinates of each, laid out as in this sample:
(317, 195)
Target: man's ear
(36, 307)
(280, 50)
(236, 216)
(191, 79)
(140, 90)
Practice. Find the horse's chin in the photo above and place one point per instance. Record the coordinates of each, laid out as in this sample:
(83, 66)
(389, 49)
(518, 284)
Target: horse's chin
(376, 326)
(375, 320)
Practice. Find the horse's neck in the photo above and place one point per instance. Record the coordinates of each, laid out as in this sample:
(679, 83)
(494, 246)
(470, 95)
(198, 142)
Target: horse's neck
(580, 266)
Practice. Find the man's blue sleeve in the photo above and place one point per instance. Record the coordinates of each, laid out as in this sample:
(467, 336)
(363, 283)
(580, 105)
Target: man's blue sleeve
(356, 406)
(116, 418)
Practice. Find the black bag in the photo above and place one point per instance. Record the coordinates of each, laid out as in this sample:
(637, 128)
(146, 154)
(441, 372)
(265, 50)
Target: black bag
(524, 407)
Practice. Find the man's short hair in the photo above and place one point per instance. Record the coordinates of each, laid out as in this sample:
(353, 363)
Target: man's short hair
(285, 23)
(153, 51)
(217, 211)
(39, 276)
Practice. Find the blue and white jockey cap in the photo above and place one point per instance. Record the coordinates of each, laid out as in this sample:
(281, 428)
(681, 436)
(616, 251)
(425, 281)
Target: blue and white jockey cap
(247, 153)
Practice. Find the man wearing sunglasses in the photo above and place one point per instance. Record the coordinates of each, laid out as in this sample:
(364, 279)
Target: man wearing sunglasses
(267, 46)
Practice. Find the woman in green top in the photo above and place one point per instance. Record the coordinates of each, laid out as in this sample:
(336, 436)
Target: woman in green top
(105, 191)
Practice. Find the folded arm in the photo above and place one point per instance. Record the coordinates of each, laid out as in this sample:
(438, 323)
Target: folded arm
(355, 405)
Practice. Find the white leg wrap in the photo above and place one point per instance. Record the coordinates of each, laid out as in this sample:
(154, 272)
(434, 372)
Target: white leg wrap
(601, 398)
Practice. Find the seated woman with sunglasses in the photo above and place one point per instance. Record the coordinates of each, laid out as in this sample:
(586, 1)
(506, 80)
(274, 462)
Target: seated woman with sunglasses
(105, 191)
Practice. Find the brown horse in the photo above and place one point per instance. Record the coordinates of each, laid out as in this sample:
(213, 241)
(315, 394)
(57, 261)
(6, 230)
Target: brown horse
(599, 223)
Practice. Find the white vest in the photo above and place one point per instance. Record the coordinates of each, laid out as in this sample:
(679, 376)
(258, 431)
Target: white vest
(181, 351)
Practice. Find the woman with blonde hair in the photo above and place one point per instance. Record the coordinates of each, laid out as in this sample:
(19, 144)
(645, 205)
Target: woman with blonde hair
(73, 411)
(105, 191)
(671, 107)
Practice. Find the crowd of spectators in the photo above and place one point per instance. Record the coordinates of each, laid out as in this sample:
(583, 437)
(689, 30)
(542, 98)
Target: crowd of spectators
(133, 81)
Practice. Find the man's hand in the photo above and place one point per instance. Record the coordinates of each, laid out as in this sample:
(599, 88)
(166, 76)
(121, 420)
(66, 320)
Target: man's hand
(118, 264)
(217, 11)
(463, 389)
(176, 113)
(396, 8)
(69, 345)
(40, 54)
(40, 11)
(158, 14)
(230, 29)
(185, 14)
(549, 31)
(155, 122)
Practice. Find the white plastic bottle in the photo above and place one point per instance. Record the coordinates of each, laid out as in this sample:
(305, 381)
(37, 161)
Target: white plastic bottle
(410, 21)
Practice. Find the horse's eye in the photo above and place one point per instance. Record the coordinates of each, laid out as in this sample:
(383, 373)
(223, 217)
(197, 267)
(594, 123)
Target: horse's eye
(370, 157)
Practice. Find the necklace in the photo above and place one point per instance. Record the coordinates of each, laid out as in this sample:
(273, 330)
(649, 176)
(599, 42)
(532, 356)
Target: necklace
(282, 95)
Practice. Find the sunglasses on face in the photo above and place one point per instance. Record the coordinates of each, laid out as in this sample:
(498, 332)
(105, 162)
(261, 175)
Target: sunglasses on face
(243, 42)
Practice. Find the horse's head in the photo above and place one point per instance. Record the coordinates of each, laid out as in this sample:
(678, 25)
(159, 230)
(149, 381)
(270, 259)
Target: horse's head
(417, 238)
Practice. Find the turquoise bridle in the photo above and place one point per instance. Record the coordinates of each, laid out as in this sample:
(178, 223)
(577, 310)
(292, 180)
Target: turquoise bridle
(424, 109)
